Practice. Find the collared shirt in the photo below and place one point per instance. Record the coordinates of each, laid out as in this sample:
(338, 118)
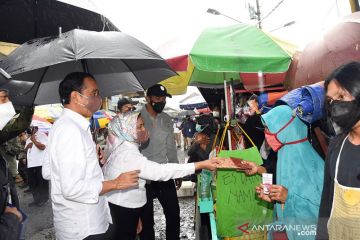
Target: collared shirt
(162, 146)
(126, 157)
(35, 156)
(72, 165)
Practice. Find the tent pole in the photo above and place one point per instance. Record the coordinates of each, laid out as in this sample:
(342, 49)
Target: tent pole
(227, 111)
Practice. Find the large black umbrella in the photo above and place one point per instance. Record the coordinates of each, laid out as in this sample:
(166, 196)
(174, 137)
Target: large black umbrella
(4, 77)
(22, 20)
(119, 62)
(15, 87)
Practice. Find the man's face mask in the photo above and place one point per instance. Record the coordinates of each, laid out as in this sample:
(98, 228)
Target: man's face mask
(93, 103)
(273, 140)
(344, 113)
(199, 128)
(158, 106)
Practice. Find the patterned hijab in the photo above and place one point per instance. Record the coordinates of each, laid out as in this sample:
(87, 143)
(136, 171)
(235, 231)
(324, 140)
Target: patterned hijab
(122, 129)
(124, 126)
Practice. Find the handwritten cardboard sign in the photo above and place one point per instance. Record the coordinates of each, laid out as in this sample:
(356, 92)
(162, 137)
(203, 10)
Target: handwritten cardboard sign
(237, 204)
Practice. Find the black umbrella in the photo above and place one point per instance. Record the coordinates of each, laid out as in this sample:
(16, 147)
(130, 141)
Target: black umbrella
(4, 77)
(22, 20)
(15, 87)
(119, 62)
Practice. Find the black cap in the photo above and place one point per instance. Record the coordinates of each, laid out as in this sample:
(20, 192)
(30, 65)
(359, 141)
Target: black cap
(125, 101)
(157, 90)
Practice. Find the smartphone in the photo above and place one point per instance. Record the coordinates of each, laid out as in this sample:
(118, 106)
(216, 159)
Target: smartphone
(267, 179)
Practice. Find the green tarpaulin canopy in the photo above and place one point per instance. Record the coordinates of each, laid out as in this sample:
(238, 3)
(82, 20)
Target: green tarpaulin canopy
(223, 52)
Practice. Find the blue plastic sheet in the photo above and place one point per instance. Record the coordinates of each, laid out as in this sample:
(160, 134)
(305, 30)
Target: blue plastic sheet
(308, 102)
(193, 106)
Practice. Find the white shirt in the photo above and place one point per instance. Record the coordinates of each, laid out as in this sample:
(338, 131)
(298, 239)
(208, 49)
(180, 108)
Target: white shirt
(72, 165)
(128, 158)
(35, 156)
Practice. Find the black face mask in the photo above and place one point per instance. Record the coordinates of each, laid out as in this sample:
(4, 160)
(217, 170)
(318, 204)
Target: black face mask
(345, 113)
(158, 106)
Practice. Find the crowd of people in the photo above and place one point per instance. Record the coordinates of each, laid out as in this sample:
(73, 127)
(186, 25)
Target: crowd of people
(108, 193)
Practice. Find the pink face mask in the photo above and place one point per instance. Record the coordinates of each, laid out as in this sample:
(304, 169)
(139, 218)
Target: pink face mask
(275, 143)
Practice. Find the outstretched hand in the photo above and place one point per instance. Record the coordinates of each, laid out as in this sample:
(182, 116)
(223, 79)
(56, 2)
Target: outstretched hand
(211, 164)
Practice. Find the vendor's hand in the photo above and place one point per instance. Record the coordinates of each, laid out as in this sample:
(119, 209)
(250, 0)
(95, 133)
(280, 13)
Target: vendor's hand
(253, 168)
(178, 183)
(139, 227)
(278, 193)
(127, 180)
(260, 193)
(15, 211)
(100, 154)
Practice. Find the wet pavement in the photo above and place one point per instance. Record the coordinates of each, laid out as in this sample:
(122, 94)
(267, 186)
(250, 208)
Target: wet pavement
(40, 219)
(187, 215)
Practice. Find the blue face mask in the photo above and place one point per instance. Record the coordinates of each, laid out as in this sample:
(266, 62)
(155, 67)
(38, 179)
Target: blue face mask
(199, 128)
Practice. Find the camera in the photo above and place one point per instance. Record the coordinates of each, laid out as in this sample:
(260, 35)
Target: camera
(32, 130)
(29, 131)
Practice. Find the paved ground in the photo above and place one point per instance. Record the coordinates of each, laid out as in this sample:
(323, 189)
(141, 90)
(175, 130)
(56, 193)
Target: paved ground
(40, 223)
(40, 219)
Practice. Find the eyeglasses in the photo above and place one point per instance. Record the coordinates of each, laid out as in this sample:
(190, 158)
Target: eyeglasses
(94, 93)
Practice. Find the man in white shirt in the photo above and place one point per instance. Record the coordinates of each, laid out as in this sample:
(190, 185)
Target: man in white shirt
(71, 163)
(35, 147)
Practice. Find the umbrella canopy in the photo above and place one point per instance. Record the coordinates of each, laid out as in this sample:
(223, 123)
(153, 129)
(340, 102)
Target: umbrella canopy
(176, 51)
(4, 77)
(119, 62)
(337, 46)
(23, 20)
(14, 87)
(189, 101)
(177, 85)
(6, 49)
(101, 118)
(49, 112)
(223, 52)
(41, 123)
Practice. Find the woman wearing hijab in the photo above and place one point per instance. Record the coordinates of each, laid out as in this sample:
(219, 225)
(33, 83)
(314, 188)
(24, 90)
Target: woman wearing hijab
(299, 174)
(126, 134)
(339, 216)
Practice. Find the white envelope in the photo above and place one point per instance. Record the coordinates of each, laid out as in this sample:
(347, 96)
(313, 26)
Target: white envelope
(7, 112)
